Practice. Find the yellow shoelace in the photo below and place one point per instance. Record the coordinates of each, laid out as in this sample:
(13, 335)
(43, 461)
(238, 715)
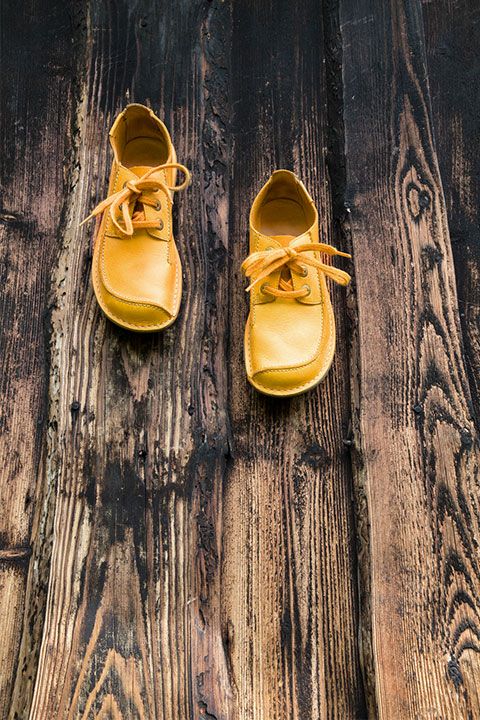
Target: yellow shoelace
(135, 192)
(259, 265)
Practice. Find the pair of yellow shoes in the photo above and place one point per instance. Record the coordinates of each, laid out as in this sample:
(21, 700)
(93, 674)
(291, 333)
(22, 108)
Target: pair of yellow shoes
(137, 275)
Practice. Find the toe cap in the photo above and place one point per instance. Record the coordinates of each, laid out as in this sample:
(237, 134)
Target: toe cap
(140, 317)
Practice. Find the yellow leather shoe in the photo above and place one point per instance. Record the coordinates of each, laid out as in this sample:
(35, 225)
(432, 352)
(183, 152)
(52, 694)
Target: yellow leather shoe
(136, 270)
(290, 331)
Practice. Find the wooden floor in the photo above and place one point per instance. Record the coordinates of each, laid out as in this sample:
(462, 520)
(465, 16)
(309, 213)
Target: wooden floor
(174, 546)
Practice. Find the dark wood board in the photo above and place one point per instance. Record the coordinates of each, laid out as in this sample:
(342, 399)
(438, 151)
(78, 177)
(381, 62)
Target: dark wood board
(289, 533)
(417, 449)
(453, 61)
(37, 90)
(140, 441)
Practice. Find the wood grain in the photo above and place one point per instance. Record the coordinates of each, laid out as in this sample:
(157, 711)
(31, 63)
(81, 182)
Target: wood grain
(290, 603)
(138, 440)
(451, 37)
(415, 435)
(33, 145)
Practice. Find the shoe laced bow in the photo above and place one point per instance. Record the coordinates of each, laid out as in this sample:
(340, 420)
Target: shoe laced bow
(134, 192)
(259, 265)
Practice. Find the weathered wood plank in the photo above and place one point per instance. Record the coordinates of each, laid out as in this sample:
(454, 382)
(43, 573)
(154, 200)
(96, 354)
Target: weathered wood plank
(138, 441)
(415, 436)
(33, 145)
(289, 589)
(451, 33)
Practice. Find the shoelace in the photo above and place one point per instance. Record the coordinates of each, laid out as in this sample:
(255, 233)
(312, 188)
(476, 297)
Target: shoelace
(133, 192)
(259, 265)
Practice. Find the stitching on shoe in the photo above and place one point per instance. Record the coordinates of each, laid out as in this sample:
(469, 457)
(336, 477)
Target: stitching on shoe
(311, 383)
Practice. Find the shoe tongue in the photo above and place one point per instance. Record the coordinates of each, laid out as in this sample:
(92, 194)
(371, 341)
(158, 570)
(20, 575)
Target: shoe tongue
(283, 240)
(140, 170)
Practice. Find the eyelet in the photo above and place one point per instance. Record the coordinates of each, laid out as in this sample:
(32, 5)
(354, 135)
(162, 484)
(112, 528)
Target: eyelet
(262, 288)
(125, 184)
(158, 205)
(304, 272)
(308, 289)
(160, 225)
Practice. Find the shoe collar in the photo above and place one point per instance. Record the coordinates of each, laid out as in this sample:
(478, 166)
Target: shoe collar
(119, 131)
